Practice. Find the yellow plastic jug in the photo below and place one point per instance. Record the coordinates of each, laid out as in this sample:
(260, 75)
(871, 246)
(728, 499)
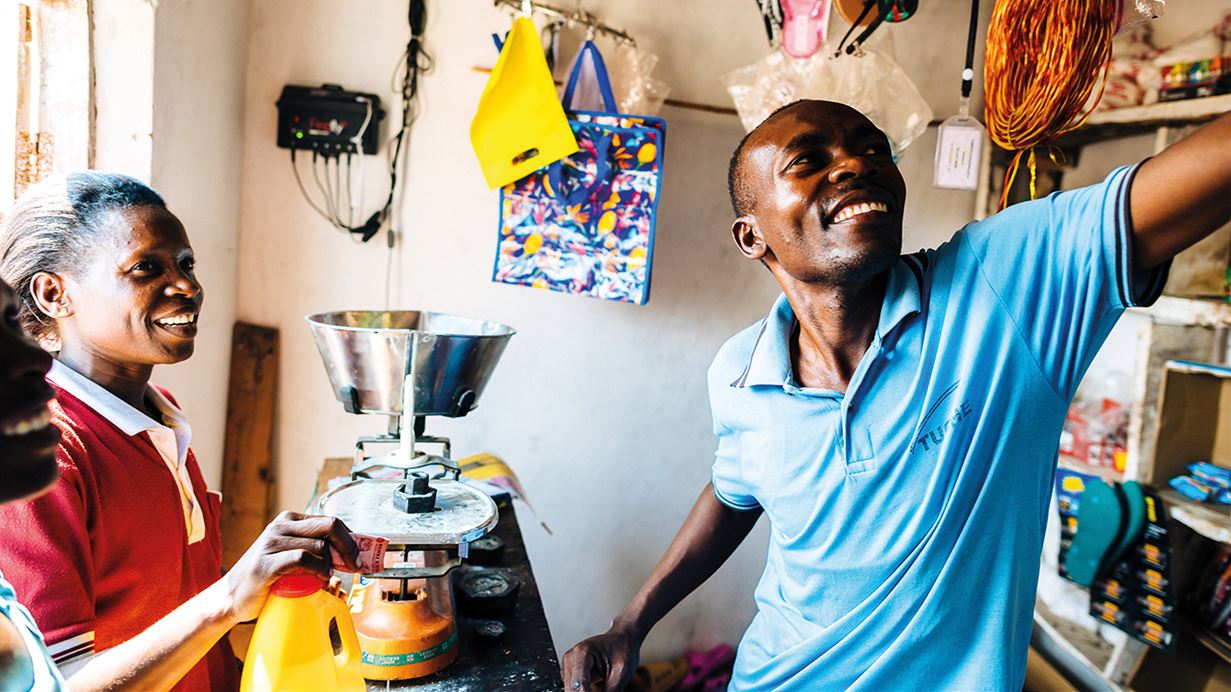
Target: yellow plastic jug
(520, 125)
(303, 640)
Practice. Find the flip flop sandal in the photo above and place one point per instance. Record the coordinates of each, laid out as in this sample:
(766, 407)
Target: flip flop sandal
(1134, 522)
(1100, 523)
(804, 24)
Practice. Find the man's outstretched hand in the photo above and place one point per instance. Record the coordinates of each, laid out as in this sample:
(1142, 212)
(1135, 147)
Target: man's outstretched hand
(603, 662)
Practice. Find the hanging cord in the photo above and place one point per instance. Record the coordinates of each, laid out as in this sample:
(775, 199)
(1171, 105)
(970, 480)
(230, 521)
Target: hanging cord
(338, 212)
(1043, 61)
(968, 71)
(417, 62)
(867, 7)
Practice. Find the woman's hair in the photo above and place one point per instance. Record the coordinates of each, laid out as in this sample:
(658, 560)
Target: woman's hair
(54, 225)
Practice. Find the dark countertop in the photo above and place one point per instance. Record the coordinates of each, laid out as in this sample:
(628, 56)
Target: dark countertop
(525, 659)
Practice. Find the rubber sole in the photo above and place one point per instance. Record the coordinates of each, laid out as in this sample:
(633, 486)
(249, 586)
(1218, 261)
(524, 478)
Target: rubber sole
(1100, 527)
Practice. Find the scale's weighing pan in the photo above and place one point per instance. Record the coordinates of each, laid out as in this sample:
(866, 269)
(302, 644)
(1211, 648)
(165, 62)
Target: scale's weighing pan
(463, 513)
(367, 356)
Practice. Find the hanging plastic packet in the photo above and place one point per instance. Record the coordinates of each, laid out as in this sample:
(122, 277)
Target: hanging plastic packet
(868, 81)
(1134, 13)
(959, 143)
(636, 91)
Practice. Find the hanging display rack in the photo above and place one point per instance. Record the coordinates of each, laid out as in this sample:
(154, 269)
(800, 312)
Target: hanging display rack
(577, 17)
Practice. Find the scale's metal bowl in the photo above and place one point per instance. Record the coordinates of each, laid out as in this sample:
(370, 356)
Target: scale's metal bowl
(367, 356)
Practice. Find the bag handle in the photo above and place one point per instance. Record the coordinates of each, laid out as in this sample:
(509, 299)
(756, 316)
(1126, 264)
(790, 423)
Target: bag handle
(602, 167)
(600, 72)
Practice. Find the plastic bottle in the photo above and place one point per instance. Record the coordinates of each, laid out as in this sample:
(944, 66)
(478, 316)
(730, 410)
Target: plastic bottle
(303, 640)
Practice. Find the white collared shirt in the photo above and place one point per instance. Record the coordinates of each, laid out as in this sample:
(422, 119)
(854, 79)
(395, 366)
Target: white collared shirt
(170, 437)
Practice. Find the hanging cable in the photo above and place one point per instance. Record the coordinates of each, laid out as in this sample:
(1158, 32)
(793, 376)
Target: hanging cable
(1043, 61)
(340, 212)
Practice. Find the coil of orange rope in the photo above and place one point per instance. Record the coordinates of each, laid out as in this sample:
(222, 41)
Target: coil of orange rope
(1043, 61)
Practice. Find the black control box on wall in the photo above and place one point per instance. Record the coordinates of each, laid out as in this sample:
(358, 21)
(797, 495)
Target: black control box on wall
(328, 120)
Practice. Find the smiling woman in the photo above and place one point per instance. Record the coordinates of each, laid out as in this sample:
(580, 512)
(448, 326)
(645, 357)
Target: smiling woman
(122, 555)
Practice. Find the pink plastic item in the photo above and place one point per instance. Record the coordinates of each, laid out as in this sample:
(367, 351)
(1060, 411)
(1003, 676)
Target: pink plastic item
(704, 664)
(804, 25)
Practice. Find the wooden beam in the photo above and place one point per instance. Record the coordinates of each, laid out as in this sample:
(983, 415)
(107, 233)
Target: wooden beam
(247, 458)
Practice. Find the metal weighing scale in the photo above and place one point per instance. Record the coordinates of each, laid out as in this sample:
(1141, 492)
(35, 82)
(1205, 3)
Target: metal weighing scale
(408, 365)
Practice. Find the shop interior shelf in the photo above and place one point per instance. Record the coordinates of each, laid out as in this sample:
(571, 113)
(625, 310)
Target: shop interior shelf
(1107, 474)
(1164, 113)
(1209, 639)
(1082, 646)
(1120, 122)
(1211, 521)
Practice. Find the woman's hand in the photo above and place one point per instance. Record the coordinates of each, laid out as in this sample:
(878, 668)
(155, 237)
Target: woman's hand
(291, 543)
(604, 662)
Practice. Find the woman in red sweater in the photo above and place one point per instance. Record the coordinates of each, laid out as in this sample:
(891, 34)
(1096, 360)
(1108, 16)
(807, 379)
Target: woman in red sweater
(122, 556)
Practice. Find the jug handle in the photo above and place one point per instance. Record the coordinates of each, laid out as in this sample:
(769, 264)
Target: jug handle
(338, 610)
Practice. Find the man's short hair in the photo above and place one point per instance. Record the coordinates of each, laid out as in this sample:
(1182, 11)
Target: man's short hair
(737, 188)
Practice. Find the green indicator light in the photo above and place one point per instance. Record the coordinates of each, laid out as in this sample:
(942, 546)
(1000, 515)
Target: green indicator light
(298, 135)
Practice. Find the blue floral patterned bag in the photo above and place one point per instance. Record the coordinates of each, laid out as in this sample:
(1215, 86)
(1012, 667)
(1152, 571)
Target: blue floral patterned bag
(585, 225)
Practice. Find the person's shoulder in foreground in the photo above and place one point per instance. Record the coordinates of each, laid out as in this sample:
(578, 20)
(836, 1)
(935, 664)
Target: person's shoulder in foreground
(27, 467)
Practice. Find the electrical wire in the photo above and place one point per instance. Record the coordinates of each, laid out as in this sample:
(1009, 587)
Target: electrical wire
(1043, 61)
(304, 191)
(412, 63)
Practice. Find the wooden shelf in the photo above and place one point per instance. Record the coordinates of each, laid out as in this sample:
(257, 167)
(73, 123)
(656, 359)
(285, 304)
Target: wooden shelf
(1211, 521)
(1163, 113)
(1197, 311)
(1218, 645)
(1084, 647)
(1107, 474)
(1122, 122)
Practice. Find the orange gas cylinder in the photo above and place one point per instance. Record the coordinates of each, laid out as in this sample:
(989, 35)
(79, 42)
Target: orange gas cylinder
(404, 633)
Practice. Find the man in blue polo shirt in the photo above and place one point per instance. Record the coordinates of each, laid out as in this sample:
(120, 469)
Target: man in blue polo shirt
(897, 417)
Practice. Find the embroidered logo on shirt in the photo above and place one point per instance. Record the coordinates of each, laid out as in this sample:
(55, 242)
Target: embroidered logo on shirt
(933, 433)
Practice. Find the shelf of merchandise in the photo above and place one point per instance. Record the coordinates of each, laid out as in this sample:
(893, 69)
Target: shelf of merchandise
(1120, 122)
(1163, 113)
(1107, 474)
(1216, 644)
(1096, 658)
(1211, 521)
(1109, 124)
(1165, 335)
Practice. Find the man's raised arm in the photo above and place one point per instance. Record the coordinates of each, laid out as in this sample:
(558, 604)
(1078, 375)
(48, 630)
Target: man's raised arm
(711, 532)
(1182, 195)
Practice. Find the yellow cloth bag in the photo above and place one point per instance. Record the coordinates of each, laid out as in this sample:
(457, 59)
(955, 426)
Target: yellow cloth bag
(520, 125)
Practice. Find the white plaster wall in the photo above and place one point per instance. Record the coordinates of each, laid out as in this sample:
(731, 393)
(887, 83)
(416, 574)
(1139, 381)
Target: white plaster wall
(123, 39)
(199, 59)
(601, 408)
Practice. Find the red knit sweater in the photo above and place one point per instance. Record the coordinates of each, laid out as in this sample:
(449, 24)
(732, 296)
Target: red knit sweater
(106, 549)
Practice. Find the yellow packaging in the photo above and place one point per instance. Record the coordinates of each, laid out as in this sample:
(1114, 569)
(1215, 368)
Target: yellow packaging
(304, 640)
(520, 125)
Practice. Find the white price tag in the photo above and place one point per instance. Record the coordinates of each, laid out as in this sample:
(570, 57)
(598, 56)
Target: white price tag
(959, 146)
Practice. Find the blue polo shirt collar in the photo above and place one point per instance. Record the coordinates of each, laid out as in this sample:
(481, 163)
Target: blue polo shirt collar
(770, 363)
